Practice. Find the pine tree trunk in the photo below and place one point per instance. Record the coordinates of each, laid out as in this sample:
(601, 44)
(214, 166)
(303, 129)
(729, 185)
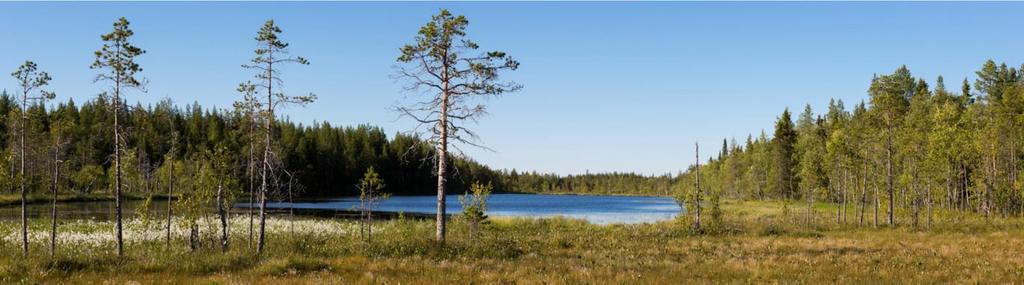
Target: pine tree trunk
(24, 190)
(370, 217)
(53, 210)
(988, 188)
(696, 190)
(222, 212)
(810, 207)
(193, 237)
(877, 202)
(862, 204)
(170, 195)
(291, 209)
(930, 202)
(889, 180)
(846, 195)
(266, 155)
(117, 170)
(442, 157)
(251, 174)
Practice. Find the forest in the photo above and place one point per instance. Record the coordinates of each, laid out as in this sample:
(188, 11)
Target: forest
(326, 160)
(907, 151)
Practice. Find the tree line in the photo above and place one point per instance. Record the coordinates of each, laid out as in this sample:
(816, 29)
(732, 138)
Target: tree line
(911, 149)
(326, 160)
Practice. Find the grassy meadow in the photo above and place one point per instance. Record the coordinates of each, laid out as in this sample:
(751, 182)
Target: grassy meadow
(755, 242)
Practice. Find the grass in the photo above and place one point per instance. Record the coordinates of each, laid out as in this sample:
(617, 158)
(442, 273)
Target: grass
(757, 242)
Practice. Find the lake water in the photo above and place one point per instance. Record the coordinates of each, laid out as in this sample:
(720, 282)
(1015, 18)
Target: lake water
(102, 210)
(597, 209)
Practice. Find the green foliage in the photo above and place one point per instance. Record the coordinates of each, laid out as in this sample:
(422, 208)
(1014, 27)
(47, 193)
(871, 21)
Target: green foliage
(31, 79)
(89, 178)
(445, 65)
(911, 151)
(117, 56)
(370, 186)
(272, 50)
(474, 205)
(369, 195)
(783, 171)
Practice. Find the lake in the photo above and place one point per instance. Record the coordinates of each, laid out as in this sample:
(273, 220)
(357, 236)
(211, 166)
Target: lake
(98, 210)
(597, 209)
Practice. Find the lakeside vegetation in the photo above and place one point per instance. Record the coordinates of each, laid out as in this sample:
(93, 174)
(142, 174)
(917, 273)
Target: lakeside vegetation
(756, 241)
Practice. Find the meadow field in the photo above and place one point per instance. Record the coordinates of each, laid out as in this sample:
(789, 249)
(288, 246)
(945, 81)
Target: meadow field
(755, 242)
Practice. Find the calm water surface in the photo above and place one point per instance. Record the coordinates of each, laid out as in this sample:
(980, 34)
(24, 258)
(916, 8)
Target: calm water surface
(100, 210)
(598, 209)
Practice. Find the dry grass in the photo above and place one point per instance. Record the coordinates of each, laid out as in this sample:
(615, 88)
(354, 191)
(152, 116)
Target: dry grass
(756, 243)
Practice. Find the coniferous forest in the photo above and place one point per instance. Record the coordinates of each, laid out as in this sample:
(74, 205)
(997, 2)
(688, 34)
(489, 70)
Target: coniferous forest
(326, 160)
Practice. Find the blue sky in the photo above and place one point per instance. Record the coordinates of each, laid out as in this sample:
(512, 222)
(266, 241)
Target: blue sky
(608, 86)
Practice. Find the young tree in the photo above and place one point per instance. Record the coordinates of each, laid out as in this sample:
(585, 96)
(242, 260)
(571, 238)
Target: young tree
(194, 199)
(30, 80)
(271, 52)
(369, 196)
(474, 206)
(116, 59)
(249, 107)
(438, 63)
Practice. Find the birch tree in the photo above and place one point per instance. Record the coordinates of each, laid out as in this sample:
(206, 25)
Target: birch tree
(445, 67)
(31, 81)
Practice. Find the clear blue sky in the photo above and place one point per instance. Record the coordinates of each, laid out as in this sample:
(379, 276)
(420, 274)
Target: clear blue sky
(608, 86)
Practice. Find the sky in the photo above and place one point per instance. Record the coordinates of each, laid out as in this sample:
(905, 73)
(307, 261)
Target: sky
(608, 86)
